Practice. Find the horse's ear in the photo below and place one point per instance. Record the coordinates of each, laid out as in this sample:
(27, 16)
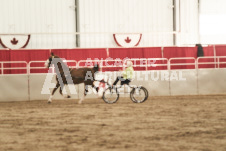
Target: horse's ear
(52, 54)
(96, 65)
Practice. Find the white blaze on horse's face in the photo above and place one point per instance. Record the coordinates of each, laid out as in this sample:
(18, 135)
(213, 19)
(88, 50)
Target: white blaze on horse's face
(47, 63)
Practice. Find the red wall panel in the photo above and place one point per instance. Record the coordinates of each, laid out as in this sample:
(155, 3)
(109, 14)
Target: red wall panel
(208, 51)
(123, 53)
(154, 52)
(176, 52)
(81, 54)
(4, 55)
(173, 52)
(220, 50)
(28, 55)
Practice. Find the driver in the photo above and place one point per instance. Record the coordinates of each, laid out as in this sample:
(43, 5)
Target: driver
(127, 74)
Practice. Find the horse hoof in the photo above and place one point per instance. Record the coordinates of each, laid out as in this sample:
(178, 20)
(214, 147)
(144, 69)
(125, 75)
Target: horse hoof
(49, 102)
(68, 96)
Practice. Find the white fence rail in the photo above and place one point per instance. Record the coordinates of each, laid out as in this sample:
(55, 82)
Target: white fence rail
(148, 62)
(22, 65)
(182, 64)
(30, 67)
(213, 60)
(144, 63)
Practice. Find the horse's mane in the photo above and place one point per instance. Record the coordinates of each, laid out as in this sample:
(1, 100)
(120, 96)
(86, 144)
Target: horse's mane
(63, 65)
(60, 62)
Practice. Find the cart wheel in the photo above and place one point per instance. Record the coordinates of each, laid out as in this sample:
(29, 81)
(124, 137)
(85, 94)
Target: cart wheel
(110, 95)
(139, 94)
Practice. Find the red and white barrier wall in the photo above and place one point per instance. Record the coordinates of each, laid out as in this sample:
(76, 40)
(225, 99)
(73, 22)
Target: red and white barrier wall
(114, 53)
(22, 74)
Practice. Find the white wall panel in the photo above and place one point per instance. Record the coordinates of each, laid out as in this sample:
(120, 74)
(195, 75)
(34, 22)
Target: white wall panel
(125, 16)
(212, 21)
(36, 83)
(40, 16)
(186, 84)
(212, 7)
(189, 22)
(99, 19)
(211, 81)
(153, 82)
(14, 88)
(202, 81)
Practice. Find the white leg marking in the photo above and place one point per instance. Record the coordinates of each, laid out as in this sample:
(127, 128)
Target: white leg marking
(80, 101)
(50, 99)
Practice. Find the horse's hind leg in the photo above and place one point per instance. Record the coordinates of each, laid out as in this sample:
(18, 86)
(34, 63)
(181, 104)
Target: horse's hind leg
(85, 92)
(51, 96)
(67, 96)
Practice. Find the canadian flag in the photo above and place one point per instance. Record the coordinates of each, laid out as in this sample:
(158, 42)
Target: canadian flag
(127, 39)
(14, 41)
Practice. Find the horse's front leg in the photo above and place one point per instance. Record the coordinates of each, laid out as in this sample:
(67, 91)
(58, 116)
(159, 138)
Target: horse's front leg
(61, 89)
(54, 90)
(98, 90)
(85, 92)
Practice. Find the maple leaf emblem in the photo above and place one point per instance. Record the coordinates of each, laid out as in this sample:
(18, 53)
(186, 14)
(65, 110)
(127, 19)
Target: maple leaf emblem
(127, 40)
(14, 41)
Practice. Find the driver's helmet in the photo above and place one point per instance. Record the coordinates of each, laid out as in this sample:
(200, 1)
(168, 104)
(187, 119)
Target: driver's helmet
(129, 63)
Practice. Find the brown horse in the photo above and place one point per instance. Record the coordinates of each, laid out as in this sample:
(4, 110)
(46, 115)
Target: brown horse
(77, 76)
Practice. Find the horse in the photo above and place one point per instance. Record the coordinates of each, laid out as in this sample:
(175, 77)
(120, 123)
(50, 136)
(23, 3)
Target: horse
(77, 75)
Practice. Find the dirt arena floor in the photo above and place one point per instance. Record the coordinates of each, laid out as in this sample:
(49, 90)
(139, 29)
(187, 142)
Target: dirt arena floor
(185, 123)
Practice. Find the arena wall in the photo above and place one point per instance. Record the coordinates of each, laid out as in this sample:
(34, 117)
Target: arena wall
(211, 81)
(187, 85)
(14, 88)
(183, 82)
